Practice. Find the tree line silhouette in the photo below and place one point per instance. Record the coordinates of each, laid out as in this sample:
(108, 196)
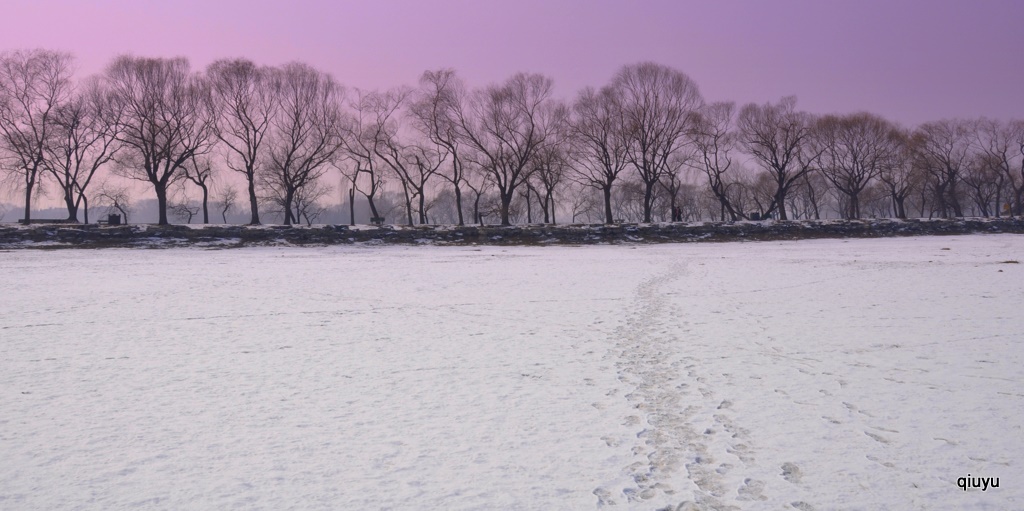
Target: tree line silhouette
(644, 147)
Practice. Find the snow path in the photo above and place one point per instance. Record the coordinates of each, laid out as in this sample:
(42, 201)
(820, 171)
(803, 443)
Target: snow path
(811, 375)
(668, 390)
(798, 376)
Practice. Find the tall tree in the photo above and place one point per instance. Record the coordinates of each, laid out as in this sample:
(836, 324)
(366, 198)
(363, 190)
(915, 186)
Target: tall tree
(714, 141)
(943, 151)
(412, 163)
(598, 142)
(985, 184)
(503, 125)
(551, 162)
(167, 119)
(423, 161)
(777, 136)
(1002, 146)
(658, 107)
(307, 134)
(85, 133)
(855, 149)
(901, 178)
(33, 86)
(226, 198)
(199, 172)
(246, 97)
(435, 109)
(362, 141)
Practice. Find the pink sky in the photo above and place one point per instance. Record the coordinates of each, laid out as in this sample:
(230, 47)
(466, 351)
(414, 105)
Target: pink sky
(911, 61)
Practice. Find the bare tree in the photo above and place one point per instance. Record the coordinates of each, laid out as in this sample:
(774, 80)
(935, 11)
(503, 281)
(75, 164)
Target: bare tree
(226, 198)
(425, 160)
(876, 201)
(84, 139)
(115, 198)
(412, 163)
(777, 136)
(762, 192)
(674, 187)
(480, 184)
(504, 127)
(33, 86)
(855, 149)
(628, 200)
(308, 201)
(985, 183)
(183, 208)
(811, 193)
(658, 106)
(366, 169)
(307, 134)
(441, 208)
(199, 171)
(584, 201)
(1001, 147)
(167, 119)
(903, 177)
(435, 109)
(943, 149)
(246, 97)
(714, 141)
(599, 144)
(551, 161)
(551, 167)
(381, 136)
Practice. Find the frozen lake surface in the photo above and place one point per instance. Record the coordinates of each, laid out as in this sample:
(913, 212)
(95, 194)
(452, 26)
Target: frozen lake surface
(820, 374)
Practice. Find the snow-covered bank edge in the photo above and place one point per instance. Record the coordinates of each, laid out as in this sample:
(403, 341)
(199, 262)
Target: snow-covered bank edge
(49, 236)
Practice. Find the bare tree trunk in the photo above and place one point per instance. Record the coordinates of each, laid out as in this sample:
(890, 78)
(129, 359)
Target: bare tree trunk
(423, 213)
(780, 203)
(458, 203)
(28, 203)
(352, 206)
(607, 191)
(408, 205)
(506, 202)
(954, 201)
(289, 198)
(551, 204)
(254, 218)
(373, 207)
(648, 200)
(72, 206)
(476, 210)
(161, 201)
(529, 209)
(206, 198)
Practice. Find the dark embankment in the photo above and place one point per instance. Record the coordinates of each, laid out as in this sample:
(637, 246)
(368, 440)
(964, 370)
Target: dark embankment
(49, 236)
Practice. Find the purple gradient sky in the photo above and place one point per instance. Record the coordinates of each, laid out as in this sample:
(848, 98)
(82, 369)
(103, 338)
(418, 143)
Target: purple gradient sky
(911, 61)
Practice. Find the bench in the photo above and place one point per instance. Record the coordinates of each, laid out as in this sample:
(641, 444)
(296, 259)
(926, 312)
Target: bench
(110, 220)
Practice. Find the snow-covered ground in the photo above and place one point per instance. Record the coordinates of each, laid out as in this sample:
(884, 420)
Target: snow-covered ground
(820, 374)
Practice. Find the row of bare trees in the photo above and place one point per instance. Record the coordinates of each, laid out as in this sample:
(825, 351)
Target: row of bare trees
(645, 146)
(946, 164)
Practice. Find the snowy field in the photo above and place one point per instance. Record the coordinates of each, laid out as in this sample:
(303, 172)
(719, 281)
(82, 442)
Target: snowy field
(822, 374)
